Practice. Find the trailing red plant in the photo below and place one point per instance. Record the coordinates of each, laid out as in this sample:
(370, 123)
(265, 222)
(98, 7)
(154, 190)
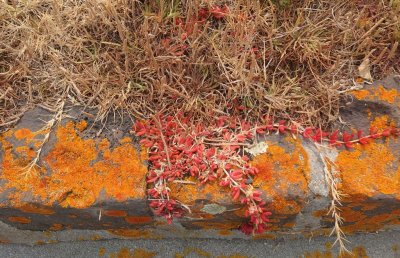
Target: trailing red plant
(178, 149)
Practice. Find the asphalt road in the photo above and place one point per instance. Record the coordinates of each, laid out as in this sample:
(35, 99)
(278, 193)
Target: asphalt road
(380, 245)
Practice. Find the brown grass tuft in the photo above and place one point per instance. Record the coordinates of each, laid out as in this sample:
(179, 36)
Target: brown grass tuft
(291, 60)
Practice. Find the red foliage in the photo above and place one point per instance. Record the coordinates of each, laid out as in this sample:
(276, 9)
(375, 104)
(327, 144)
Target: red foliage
(179, 149)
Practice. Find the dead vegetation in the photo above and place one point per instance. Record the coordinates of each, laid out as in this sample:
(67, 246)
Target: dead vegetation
(291, 60)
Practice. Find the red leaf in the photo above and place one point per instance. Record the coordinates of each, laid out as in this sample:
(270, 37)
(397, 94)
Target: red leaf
(386, 133)
(333, 138)
(347, 139)
(240, 137)
(293, 129)
(146, 143)
(210, 152)
(307, 132)
(282, 127)
(219, 12)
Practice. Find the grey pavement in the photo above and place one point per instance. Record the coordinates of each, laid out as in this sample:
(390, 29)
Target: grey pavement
(380, 245)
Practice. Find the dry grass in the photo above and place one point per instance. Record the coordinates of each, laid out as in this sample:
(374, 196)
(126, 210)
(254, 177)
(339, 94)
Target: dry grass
(331, 178)
(126, 55)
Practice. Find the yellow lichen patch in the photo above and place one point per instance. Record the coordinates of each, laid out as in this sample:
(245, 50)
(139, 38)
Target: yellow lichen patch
(282, 172)
(76, 179)
(21, 220)
(369, 170)
(33, 208)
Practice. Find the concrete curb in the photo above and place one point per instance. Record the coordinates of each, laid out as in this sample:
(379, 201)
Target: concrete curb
(93, 178)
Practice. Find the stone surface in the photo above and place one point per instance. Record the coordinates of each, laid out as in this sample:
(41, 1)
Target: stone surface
(92, 176)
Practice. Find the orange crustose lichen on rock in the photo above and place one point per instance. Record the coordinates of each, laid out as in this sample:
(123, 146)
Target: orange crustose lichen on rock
(35, 209)
(24, 133)
(77, 178)
(382, 123)
(115, 213)
(189, 193)
(282, 172)
(138, 219)
(369, 170)
(21, 220)
(381, 93)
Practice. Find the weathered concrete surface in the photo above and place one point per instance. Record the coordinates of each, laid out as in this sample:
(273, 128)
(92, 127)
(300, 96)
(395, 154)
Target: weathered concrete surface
(94, 178)
(381, 245)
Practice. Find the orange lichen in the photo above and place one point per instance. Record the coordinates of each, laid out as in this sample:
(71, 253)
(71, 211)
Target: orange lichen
(361, 94)
(387, 95)
(102, 251)
(382, 123)
(225, 232)
(369, 170)
(363, 215)
(366, 223)
(264, 236)
(76, 178)
(21, 220)
(356, 252)
(125, 140)
(189, 193)
(24, 133)
(25, 151)
(33, 208)
(96, 237)
(104, 144)
(320, 213)
(282, 172)
(81, 125)
(56, 227)
(381, 93)
(138, 219)
(115, 213)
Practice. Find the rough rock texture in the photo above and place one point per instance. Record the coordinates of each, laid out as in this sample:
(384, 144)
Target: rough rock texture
(93, 177)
